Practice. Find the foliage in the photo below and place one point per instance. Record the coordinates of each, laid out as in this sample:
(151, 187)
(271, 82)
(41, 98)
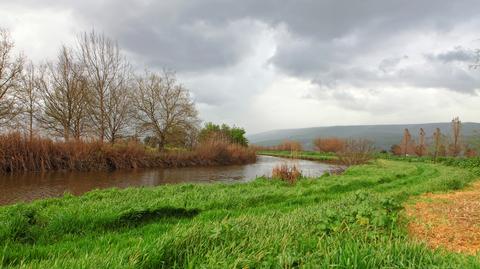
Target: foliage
(232, 134)
(345, 221)
(472, 164)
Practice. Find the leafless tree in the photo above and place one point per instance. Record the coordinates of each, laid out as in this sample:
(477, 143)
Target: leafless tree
(28, 96)
(119, 108)
(107, 72)
(455, 147)
(421, 148)
(10, 72)
(437, 136)
(407, 143)
(163, 107)
(356, 151)
(64, 94)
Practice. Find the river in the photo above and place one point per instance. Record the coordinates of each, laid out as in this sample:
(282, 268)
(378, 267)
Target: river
(32, 186)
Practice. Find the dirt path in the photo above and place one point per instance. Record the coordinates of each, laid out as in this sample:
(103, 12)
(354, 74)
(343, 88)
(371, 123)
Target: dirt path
(450, 220)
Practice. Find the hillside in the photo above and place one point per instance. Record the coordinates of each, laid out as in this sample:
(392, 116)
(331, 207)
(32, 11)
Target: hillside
(383, 135)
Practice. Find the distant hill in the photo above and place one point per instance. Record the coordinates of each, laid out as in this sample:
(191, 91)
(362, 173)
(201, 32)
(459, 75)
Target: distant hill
(384, 136)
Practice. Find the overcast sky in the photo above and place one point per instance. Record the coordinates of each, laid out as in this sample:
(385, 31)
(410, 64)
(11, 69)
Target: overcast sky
(278, 64)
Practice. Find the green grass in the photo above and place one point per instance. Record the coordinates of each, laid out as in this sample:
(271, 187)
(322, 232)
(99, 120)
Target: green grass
(347, 221)
(305, 155)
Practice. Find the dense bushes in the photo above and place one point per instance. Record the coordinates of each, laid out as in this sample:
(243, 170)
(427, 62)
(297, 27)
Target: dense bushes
(472, 164)
(234, 135)
(18, 154)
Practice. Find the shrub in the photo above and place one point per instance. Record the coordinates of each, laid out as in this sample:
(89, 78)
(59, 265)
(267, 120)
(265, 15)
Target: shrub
(356, 151)
(289, 145)
(287, 173)
(331, 144)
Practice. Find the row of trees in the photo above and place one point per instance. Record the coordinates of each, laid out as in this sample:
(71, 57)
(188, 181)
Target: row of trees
(440, 144)
(91, 92)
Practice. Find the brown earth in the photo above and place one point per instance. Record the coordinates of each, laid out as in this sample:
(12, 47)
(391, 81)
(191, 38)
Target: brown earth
(450, 220)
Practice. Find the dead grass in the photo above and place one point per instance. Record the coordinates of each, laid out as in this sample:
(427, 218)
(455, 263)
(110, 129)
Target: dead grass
(19, 154)
(450, 221)
(285, 172)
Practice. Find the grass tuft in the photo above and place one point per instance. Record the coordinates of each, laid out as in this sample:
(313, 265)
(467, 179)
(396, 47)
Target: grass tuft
(287, 173)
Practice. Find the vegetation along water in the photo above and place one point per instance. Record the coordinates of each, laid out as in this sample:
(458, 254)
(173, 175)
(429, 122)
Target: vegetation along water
(353, 220)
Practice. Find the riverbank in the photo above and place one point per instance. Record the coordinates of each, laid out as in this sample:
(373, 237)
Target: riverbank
(33, 186)
(351, 220)
(19, 154)
(330, 158)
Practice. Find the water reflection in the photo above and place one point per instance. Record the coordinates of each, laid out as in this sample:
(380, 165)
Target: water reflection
(31, 186)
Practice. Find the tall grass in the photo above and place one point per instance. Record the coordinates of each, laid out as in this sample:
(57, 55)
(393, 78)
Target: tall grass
(287, 173)
(345, 221)
(19, 154)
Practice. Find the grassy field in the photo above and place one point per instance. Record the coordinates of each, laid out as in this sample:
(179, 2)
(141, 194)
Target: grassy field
(305, 155)
(352, 220)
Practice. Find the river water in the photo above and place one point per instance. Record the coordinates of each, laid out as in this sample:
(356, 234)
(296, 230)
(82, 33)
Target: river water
(31, 186)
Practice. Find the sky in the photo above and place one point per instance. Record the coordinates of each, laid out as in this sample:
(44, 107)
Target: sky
(274, 64)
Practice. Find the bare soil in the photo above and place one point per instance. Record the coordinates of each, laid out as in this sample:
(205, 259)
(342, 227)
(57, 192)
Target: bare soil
(450, 220)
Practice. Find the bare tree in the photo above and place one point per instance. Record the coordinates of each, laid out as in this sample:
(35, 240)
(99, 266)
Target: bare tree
(119, 108)
(10, 71)
(455, 147)
(64, 94)
(421, 148)
(407, 143)
(356, 151)
(29, 98)
(437, 136)
(107, 71)
(163, 107)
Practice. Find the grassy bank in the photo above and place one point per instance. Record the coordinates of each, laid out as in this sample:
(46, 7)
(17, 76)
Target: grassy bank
(346, 221)
(18, 154)
(305, 155)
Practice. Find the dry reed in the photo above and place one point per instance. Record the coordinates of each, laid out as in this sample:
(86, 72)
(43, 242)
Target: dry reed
(290, 174)
(20, 154)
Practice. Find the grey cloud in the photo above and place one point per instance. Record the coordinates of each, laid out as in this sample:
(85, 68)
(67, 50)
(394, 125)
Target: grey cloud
(435, 73)
(323, 38)
(165, 32)
(458, 54)
(445, 77)
(389, 64)
(192, 47)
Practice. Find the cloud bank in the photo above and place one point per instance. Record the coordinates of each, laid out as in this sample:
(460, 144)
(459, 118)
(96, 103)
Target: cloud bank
(277, 64)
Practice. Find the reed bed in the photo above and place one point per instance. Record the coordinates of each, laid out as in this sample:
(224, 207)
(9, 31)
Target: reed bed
(287, 173)
(19, 154)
